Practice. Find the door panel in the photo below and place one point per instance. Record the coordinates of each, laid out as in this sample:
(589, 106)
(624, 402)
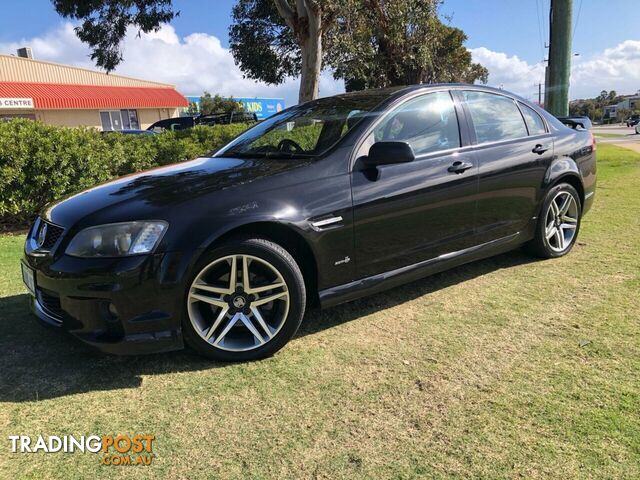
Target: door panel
(412, 212)
(510, 176)
(511, 164)
(409, 212)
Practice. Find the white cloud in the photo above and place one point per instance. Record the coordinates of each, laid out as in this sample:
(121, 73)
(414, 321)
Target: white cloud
(59, 45)
(199, 62)
(616, 68)
(510, 73)
(195, 63)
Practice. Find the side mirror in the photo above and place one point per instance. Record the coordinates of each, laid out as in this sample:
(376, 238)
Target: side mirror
(388, 153)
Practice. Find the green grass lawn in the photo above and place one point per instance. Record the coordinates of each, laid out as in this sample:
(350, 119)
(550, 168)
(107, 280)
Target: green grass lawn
(508, 367)
(609, 134)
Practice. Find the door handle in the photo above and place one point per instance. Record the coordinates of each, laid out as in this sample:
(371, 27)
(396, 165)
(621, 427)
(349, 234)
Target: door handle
(540, 149)
(459, 167)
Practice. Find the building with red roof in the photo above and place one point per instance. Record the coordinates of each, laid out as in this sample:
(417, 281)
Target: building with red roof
(69, 96)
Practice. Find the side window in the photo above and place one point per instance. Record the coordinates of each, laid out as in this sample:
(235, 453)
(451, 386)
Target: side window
(494, 117)
(533, 120)
(428, 123)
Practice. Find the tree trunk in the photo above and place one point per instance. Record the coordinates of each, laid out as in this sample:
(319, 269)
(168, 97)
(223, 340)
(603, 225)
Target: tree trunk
(311, 67)
(306, 23)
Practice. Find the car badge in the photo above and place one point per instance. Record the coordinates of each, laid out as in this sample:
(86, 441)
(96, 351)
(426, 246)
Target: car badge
(42, 235)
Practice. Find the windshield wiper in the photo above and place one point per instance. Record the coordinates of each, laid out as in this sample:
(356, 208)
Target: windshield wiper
(289, 155)
(258, 154)
(231, 154)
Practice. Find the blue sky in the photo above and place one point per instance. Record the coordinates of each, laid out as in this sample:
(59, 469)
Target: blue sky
(507, 33)
(509, 26)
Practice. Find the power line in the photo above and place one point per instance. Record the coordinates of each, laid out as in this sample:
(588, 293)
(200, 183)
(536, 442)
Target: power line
(575, 26)
(540, 36)
(545, 7)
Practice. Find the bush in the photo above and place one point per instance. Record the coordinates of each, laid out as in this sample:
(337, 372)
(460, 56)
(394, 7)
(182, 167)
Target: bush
(40, 163)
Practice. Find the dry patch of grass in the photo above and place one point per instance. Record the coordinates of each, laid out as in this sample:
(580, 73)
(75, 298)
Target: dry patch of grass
(508, 367)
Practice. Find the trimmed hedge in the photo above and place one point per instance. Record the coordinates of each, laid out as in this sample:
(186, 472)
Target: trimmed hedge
(40, 163)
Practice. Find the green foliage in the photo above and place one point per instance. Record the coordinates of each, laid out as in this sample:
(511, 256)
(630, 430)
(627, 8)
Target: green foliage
(369, 44)
(104, 23)
(306, 136)
(261, 43)
(274, 39)
(594, 107)
(193, 108)
(40, 163)
(218, 104)
(403, 42)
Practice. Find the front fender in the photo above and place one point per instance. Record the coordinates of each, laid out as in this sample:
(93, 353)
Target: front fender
(289, 208)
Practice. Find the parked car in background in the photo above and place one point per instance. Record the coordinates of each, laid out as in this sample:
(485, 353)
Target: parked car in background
(326, 201)
(638, 128)
(131, 132)
(633, 120)
(182, 123)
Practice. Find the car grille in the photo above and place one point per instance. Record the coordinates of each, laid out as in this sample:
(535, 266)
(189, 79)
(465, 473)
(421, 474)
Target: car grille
(50, 303)
(53, 234)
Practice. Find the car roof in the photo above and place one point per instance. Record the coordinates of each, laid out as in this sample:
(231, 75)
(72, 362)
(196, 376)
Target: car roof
(390, 94)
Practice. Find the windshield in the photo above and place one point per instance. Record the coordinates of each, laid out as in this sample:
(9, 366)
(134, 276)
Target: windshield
(307, 130)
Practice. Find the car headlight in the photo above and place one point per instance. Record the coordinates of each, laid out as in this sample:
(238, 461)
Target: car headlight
(117, 239)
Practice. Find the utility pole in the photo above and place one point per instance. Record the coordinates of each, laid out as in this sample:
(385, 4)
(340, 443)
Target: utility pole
(539, 93)
(556, 94)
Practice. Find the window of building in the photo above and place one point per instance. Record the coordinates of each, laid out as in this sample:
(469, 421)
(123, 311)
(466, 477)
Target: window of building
(494, 117)
(428, 123)
(119, 120)
(533, 120)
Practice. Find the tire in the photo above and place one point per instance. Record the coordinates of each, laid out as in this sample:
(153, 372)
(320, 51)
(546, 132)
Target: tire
(555, 234)
(239, 333)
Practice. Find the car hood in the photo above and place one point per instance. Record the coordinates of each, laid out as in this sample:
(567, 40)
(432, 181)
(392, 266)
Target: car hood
(155, 193)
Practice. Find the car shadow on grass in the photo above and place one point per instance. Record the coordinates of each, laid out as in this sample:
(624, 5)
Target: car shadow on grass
(39, 363)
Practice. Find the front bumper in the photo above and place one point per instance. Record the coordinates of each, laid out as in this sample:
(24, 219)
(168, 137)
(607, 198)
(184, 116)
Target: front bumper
(124, 306)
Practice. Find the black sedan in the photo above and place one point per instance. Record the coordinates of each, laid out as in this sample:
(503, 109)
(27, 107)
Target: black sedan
(324, 202)
(633, 120)
(129, 132)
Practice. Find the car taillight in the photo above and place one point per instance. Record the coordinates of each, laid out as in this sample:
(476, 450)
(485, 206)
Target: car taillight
(593, 142)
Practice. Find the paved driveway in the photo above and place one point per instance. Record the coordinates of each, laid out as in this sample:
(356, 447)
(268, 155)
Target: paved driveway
(623, 135)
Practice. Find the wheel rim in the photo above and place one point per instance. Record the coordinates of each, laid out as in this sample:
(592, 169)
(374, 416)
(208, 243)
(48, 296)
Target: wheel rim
(238, 303)
(561, 222)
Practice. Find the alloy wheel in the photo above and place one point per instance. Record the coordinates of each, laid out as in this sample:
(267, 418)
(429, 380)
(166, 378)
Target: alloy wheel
(238, 302)
(561, 221)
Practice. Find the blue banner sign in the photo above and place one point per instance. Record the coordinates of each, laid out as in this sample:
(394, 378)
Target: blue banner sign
(262, 107)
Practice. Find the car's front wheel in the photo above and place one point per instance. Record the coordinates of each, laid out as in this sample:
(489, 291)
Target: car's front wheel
(245, 301)
(559, 222)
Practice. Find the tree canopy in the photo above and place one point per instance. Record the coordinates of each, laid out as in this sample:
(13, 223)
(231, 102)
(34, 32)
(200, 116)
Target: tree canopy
(105, 22)
(594, 107)
(217, 104)
(275, 39)
(368, 43)
(379, 43)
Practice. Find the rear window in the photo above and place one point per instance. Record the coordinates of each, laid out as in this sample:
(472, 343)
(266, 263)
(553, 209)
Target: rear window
(494, 117)
(535, 124)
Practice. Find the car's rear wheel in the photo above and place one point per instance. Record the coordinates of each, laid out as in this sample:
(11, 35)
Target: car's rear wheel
(245, 301)
(559, 222)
